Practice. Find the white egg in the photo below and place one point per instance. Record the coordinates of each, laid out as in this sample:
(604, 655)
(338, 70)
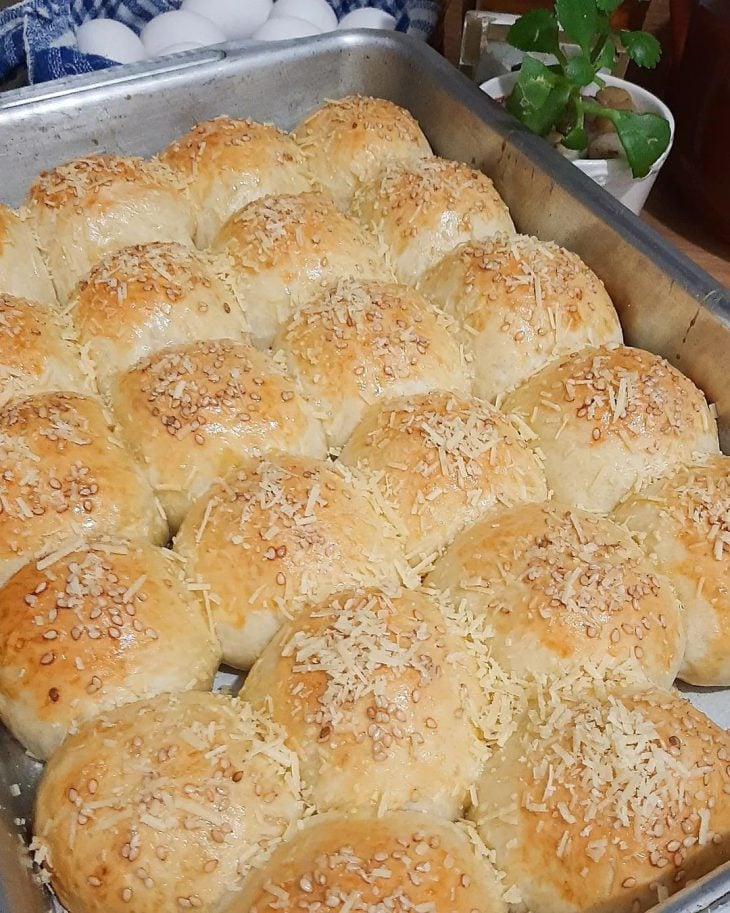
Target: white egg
(367, 18)
(318, 12)
(179, 48)
(281, 29)
(235, 18)
(111, 39)
(178, 27)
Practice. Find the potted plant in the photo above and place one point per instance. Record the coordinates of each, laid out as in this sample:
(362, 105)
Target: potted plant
(616, 132)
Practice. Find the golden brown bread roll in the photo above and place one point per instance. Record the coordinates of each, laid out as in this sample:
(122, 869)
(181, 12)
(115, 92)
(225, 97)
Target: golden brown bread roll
(164, 804)
(423, 210)
(81, 633)
(227, 163)
(379, 699)
(609, 418)
(520, 303)
(682, 521)
(91, 206)
(441, 461)
(285, 250)
(140, 299)
(22, 270)
(64, 476)
(606, 802)
(562, 587)
(37, 351)
(277, 534)
(361, 342)
(402, 861)
(192, 413)
(348, 141)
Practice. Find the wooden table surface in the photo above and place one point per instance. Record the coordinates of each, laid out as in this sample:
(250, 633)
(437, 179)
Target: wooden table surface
(665, 210)
(671, 218)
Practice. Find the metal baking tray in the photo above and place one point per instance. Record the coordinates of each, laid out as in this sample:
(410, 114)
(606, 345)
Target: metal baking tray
(665, 302)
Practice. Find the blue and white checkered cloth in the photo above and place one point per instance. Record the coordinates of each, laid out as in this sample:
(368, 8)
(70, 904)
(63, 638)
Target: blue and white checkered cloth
(42, 32)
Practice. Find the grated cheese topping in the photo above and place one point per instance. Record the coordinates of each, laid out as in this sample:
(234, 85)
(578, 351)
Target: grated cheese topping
(358, 119)
(618, 392)
(147, 281)
(538, 283)
(404, 865)
(224, 143)
(377, 657)
(200, 391)
(613, 775)
(300, 527)
(366, 337)
(81, 180)
(423, 191)
(304, 228)
(172, 785)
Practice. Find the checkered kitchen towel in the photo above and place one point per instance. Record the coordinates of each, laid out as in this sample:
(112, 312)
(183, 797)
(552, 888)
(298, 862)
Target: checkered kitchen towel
(42, 32)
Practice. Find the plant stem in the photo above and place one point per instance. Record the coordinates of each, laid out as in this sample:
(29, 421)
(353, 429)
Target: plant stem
(588, 106)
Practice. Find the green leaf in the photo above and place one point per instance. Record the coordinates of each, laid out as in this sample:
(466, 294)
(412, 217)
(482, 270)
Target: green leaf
(537, 31)
(606, 56)
(608, 6)
(580, 71)
(642, 48)
(574, 134)
(539, 97)
(579, 19)
(645, 138)
(576, 139)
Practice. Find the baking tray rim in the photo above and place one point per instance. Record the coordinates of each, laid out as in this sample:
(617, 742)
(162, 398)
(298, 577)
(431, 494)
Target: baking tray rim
(714, 888)
(678, 266)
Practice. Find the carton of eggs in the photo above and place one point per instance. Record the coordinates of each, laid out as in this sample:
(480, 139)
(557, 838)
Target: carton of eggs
(200, 23)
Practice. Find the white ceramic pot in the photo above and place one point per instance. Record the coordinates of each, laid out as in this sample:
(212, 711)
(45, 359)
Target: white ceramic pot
(612, 174)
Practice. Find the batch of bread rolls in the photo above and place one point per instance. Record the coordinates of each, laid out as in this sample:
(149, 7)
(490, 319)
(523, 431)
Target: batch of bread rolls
(307, 405)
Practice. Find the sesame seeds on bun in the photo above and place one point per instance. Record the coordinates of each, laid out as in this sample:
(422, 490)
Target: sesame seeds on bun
(226, 163)
(609, 418)
(84, 631)
(193, 412)
(520, 303)
(606, 801)
(347, 141)
(423, 210)
(90, 206)
(64, 477)
(286, 250)
(141, 299)
(277, 534)
(442, 461)
(402, 861)
(164, 804)
(682, 522)
(37, 351)
(559, 587)
(364, 342)
(378, 697)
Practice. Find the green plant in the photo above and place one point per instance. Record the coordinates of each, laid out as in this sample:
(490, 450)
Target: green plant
(549, 98)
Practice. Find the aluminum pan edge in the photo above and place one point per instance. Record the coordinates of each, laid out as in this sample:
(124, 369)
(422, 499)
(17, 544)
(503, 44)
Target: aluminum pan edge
(666, 303)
